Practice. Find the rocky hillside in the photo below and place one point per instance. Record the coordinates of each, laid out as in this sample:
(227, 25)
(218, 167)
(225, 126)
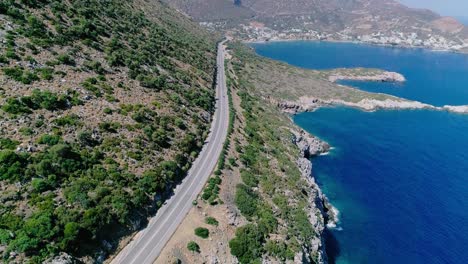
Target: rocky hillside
(103, 105)
(373, 21)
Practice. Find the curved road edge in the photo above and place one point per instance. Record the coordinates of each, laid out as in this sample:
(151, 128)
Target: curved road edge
(146, 245)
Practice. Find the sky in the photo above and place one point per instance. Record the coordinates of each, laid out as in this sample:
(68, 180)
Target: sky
(457, 8)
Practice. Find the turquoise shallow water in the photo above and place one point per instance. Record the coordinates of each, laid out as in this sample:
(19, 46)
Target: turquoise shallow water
(399, 178)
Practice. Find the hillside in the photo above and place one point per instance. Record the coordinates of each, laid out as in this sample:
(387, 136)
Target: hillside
(372, 21)
(104, 105)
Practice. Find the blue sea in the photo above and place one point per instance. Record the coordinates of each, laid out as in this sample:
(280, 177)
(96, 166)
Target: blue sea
(398, 178)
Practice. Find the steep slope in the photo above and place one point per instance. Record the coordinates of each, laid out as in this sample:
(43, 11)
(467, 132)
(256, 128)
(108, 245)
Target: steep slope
(375, 21)
(104, 105)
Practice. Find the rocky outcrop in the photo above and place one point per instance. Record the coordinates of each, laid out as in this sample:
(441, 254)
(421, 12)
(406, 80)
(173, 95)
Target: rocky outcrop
(309, 145)
(320, 212)
(380, 77)
(62, 258)
(305, 104)
(461, 109)
(373, 104)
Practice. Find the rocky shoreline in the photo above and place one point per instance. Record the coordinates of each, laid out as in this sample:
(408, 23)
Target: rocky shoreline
(309, 104)
(321, 212)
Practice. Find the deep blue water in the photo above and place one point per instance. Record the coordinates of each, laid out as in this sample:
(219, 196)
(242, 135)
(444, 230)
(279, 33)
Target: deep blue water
(399, 178)
(437, 78)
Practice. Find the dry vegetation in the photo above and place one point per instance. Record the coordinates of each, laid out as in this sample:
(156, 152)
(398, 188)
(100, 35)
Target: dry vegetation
(280, 81)
(104, 105)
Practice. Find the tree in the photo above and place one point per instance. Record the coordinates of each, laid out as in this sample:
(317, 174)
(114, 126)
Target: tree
(202, 232)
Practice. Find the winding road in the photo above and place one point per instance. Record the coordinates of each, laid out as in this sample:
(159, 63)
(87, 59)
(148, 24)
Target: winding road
(146, 246)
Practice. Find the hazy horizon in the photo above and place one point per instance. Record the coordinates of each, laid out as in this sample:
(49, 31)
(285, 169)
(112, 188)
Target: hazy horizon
(456, 8)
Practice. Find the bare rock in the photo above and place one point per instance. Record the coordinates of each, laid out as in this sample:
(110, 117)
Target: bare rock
(62, 258)
(309, 145)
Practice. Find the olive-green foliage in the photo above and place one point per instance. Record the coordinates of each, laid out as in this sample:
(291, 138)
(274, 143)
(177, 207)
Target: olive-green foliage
(12, 165)
(246, 200)
(249, 178)
(96, 192)
(211, 191)
(19, 74)
(38, 100)
(6, 143)
(279, 250)
(247, 245)
(193, 246)
(211, 221)
(68, 120)
(111, 127)
(202, 232)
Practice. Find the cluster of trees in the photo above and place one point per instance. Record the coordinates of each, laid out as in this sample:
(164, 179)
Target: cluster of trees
(95, 192)
(40, 100)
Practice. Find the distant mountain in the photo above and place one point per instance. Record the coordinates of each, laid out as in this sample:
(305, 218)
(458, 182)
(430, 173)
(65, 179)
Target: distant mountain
(463, 20)
(378, 21)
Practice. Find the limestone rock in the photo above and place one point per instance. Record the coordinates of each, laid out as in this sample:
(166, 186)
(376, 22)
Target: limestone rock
(63, 258)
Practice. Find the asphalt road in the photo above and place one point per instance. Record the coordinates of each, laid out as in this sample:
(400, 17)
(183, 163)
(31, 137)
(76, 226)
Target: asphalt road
(148, 243)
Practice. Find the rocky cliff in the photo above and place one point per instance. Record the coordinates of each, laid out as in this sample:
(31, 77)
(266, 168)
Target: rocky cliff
(320, 212)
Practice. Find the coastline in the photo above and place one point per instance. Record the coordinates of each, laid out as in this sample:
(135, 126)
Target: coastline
(425, 48)
(308, 104)
(310, 147)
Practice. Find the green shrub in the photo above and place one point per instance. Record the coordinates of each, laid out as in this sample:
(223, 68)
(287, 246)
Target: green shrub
(249, 178)
(11, 54)
(26, 131)
(40, 185)
(246, 200)
(202, 232)
(108, 111)
(12, 165)
(46, 73)
(247, 245)
(15, 106)
(65, 59)
(20, 75)
(193, 246)
(210, 193)
(111, 127)
(69, 120)
(6, 143)
(49, 139)
(279, 250)
(90, 85)
(46, 100)
(211, 221)
(95, 66)
(3, 60)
